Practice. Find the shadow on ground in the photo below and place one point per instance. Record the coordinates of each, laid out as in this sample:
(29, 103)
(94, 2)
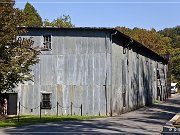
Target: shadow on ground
(148, 120)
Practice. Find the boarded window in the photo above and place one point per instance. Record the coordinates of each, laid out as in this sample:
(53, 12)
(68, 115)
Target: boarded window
(46, 101)
(46, 43)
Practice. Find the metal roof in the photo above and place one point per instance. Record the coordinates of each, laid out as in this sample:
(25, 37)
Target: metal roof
(55, 27)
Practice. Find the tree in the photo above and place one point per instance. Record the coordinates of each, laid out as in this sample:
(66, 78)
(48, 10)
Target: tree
(32, 18)
(16, 54)
(175, 59)
(161, 42)
(174, 34)
(149, 38)
(62, 21)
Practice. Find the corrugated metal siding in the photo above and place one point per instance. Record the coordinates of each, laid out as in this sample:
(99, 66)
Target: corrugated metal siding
(77, 70)
(119, 78)
(135, 73)
(84, 67)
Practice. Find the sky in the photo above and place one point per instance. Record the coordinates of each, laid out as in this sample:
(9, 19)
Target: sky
(158, 14)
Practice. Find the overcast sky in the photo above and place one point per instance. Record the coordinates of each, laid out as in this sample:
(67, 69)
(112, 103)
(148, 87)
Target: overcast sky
(148, 14)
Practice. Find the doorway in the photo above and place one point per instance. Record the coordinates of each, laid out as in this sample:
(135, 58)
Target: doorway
(12, 102)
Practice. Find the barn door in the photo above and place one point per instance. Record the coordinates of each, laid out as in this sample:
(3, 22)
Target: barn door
(12, 103)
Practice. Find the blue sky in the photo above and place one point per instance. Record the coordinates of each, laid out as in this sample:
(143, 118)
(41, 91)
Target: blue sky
(148, 14)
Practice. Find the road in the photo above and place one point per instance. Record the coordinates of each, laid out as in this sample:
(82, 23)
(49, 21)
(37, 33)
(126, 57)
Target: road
(148, 120)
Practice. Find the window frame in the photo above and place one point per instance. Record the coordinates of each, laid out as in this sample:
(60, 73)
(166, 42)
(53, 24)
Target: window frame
(47, 100)
(47, 42)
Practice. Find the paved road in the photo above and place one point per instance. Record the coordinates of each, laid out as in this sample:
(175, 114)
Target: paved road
(149, 120)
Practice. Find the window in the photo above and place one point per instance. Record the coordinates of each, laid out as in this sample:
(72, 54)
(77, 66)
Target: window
(46, 101)
(46, 43)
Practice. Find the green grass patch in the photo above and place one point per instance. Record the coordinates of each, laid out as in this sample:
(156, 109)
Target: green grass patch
(28, 120)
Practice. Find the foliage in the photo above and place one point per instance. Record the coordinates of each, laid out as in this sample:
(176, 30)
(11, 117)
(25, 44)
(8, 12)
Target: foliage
(26, 120)
(32, 18)
(149, 38)
(62, 21)
(174, 34)
(16, 56)
(175, 59)
(162, 42)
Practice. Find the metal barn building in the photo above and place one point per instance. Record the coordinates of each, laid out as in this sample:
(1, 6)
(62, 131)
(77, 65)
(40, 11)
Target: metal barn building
(93, 71)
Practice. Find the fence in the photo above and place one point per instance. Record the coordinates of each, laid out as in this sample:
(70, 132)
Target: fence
(57, 106)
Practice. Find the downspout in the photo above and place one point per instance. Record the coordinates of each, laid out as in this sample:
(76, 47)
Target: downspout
(111, 42)
(128, 79)
(105, 86)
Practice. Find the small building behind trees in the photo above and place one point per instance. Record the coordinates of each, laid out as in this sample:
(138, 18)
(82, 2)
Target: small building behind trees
(105, 71)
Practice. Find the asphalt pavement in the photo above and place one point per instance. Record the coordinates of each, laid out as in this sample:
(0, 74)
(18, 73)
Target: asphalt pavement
(147, 120)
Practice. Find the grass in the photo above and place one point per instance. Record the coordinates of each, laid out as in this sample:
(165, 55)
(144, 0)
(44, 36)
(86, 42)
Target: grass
(28, 120)
(158, 102)
(178, 121)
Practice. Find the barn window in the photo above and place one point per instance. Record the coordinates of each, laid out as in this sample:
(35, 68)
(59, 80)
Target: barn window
(46, 100)
(46, 43)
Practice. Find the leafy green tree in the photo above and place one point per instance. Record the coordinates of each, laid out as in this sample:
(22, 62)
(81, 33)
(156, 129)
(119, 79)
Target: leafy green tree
(32, 18)
(16, 55)
(174, 34)
(149, 38)
(62, 21)
(162, 42)
(175, 59)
